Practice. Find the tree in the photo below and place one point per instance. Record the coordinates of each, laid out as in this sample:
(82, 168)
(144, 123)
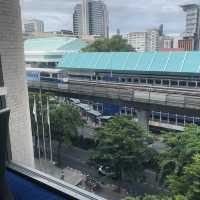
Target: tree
(65, 121)
(183, 146)
(189, 183)
(149, 197)
(122, 145)
(115, 44)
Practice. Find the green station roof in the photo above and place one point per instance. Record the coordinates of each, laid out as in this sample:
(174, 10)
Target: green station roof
(49, 44)
(147, 62)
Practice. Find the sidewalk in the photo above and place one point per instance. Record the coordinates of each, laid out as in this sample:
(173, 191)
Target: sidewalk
(69, 175)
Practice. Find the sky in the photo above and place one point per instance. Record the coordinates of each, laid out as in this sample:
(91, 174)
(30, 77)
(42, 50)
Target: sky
(127, 15)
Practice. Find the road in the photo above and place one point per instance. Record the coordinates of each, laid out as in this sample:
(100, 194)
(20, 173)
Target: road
(76, 158)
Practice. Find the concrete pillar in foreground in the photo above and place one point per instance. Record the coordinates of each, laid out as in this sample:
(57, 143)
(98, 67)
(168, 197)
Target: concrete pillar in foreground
(143, 118)
(12, 57)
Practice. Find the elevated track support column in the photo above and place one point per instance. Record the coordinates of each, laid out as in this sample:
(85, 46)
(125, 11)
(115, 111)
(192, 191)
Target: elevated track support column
(143, 118)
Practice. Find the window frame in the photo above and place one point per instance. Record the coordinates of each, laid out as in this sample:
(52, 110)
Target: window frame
(60, 187)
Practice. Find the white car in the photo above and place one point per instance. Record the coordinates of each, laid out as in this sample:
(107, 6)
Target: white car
(106, 171)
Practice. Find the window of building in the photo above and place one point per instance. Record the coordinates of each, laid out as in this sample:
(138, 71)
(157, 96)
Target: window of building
(166, 82)
(143, 81)
(192, 84)
(129, 80)
(136, 80)
(182, 83)
(158, 82)
(150, 81)
(174, 83)
(123, 80)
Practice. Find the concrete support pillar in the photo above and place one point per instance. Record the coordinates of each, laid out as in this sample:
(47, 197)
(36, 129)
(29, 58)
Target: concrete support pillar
(143, 118)
(12, 58)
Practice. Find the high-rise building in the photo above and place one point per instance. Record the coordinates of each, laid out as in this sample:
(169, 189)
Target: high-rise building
(186, 44)
(138, 40)
(166, 42)
(77, 20)
(144, 41)
(161, 30)
(152, 40)
(13, 79)
(192, 29)
(34, 25)
(91, 18)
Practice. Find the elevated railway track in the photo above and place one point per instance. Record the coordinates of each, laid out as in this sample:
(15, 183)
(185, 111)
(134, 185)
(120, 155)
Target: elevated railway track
(168, 96)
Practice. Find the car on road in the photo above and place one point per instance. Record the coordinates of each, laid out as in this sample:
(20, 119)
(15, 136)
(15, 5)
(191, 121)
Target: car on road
(106, 171)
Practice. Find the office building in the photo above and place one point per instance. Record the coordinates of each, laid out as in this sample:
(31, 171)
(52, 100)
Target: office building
(77, 20)
(144, 41)
(138, 41)
(91, 18)
(192, 29)
(186, 44)
(152, 40)
(34, 25)
(166, 42)
(13, 85)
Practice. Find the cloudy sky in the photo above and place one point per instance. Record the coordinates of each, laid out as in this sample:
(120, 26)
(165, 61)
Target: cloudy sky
(128, 15)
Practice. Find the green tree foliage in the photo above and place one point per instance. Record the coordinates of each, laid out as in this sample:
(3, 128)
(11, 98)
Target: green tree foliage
(183, 146)
(115, 44)
(180, 165)
(149, 197)
(189, 183)
(65, 121)
(122, 145)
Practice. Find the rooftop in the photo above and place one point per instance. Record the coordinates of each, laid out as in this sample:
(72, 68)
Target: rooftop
(55, 44)
(147, 62)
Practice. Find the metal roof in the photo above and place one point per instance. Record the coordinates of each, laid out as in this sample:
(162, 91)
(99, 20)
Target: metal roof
(47, 70)
(147, 62)
(53, 44)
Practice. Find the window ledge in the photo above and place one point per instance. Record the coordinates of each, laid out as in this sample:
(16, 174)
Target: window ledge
(57, 185)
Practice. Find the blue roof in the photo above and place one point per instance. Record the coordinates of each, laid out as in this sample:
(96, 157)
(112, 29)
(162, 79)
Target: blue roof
(49, 44)
(147, 62)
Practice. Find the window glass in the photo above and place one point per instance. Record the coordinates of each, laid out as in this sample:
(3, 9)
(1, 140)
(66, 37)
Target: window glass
(165, 82)
(174, 83)
(102, 136)
(182, 83)
(192, 84)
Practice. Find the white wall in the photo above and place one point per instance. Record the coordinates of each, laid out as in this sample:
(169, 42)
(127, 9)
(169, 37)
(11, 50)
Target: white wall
(12, 52)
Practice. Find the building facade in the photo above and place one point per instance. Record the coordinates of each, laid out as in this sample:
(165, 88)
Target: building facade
(13, 78)
(186, 44)
(166, 42)
(144, 41)
(91, 18)
(192, 29)
(153, 40)
(138, 40)
(34, 25)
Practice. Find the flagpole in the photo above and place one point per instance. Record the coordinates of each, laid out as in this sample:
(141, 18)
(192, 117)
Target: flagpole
(49, 123)
(44, 143)
(37, 128)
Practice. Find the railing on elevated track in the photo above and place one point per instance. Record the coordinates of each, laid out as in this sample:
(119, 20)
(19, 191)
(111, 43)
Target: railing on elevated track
(175, 97)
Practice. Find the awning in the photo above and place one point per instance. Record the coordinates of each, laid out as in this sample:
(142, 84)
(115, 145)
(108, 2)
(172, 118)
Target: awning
(84, 106)
(76, 101)
(94, 112)
(106, 117)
